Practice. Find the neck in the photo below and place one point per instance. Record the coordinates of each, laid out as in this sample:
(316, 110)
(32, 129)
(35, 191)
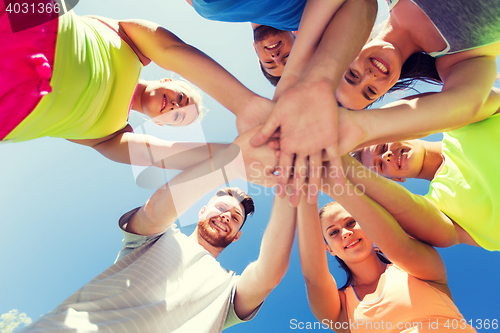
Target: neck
(137, 100)
(433, 160)
(401, 39)
(214, 251)
(368, 271)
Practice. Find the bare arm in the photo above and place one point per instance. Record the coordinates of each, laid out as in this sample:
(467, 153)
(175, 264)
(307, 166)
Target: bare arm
(171, 53)
(413, 256)
(239, 160)
(127, 147)
(466, 98)
(307, 112)
(263, 275)
(322, 292)
(417, 215)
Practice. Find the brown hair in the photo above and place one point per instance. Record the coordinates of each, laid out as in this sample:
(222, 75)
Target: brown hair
(271, 78)
(342, 264)
(244, 199)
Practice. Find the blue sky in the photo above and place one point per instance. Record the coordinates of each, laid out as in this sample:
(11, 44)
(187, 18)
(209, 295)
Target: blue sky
(61, 202)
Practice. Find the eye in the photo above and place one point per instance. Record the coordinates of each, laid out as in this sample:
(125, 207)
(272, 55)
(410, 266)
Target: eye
(187, 100)
(181, 96)
(381, 167)
(334, 233)
(352, 74)
(351, 224)
(384, 147)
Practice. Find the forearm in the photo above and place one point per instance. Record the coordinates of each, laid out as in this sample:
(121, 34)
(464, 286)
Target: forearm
(315, 19)
(339, 46)
(277, 243)
(467, 97)
(184, 190)
(321, 287)
(171, 53)
(415, 213)
(313, 257)
(263, 275)
(418, 259)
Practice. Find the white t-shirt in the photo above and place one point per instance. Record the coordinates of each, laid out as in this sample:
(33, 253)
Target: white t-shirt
(159, 283)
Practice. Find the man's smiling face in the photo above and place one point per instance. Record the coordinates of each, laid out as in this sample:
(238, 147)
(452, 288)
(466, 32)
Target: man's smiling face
(273, 47)
(221, 220)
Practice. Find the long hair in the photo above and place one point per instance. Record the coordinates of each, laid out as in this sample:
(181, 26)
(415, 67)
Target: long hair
(341, 262)
(348, 272)
(418, 67)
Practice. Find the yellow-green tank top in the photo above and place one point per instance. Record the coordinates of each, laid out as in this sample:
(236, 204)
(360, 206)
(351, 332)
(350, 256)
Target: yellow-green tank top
(93, 81)
(468, 188)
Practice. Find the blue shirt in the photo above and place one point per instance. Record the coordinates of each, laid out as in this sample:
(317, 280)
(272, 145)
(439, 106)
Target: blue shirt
(283, 15)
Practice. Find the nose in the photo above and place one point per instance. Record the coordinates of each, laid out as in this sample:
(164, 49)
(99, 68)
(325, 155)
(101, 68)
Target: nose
(387, 156)
(346, 233)
(225, 216)
(174, 106)
(276, 56)
(370, 74)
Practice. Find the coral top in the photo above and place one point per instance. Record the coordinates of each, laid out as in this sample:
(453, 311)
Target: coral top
(406, 304)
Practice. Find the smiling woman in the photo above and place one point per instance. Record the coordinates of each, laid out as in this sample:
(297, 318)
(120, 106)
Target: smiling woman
(43, 98)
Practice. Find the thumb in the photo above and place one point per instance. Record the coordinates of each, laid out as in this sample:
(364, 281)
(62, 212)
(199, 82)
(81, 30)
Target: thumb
(266, 131)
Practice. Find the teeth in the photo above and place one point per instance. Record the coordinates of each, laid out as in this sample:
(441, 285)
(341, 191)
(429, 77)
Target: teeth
(220, 225)
(399, 158)
(351, 244)
(380, 66)
(271, 46)
(164, 102)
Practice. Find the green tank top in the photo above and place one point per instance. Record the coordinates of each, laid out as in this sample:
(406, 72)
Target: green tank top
(468, 188)
(93, 81)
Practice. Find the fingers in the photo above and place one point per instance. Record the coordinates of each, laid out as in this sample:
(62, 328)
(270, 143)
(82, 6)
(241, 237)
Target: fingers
(336, 171)
(315, 174)
(266, 131)
(274, 144)
(299, 177)
(284, 170)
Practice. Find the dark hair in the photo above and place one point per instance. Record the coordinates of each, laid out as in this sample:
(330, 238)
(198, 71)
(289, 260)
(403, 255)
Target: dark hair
(357, 155)
(348, 272)
(419, 66)
(244, 199)
(343, 265)
(271, 78)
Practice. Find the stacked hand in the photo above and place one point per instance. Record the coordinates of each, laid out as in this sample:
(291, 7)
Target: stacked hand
(307, 116)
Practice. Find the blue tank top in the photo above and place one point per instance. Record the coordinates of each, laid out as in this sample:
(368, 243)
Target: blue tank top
(283, 15)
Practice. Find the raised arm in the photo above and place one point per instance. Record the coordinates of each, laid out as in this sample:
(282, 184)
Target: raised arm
(263, 275)
(307, 112)
(322, 292)
(418, 259)
(171, 53)
(417, 215)
(239, 160)
(127, 147)
(467, 97)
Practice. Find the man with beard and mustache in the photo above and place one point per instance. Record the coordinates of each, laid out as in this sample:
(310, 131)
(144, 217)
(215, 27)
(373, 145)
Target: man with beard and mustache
(165, 281)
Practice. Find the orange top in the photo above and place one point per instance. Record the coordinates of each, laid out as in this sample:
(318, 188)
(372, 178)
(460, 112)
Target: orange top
(406, 304)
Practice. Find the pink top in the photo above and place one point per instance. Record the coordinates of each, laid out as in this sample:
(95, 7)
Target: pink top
(406, 304)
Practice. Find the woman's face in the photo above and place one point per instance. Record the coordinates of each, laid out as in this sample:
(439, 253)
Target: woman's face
(344, 236)
(375, 70)
(168, 103)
